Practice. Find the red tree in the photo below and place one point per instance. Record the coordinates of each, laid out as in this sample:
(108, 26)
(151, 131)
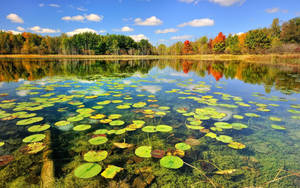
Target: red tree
(219, 39)
(187, 48)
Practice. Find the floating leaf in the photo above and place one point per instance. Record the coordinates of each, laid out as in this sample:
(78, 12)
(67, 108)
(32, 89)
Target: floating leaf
(62, 123)
(238, 117)
(116, 123)
(239, 126)
(182, 146)
(172, 162)
(164, 108)
(211, 135)
(275, 118)
(252, 115)
(226, 172)
(95, 156)
(5, 159)
(223, 125)
(75, 118)
(98, 140)
(38, 128)
(34, 138)
(138, 123)
(81, 127)
(123, 145)
(105, 121)
(114, 116)
(87, 170)
(236, 145)
(123, 107)
(2, 144)
(149, 129)
(143, 151)
(100, 131)
(278, 127)
(158, 153)
(35, 147)
(224, 138)
(30, 121)
(139, 104)
(98, 116)
(164, 128)
(111, 171)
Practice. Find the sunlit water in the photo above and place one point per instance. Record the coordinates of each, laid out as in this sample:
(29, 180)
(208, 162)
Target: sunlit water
(257, 146)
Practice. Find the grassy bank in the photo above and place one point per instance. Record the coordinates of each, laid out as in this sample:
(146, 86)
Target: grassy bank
(269, 58)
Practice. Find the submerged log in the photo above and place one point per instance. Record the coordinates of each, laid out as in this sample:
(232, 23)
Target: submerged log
(47, 174)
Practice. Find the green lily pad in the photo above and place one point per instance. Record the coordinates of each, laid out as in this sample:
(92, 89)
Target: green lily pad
(139, 105)
(224, 138)
(149, 129)
(182, 146)
(104, 102)
(116, 123)
(111, 171)
(98, 140)
(278, 127)
(87, 170)
(26, 115)
(100, 131)
(62, 123)
(223, 125)
(252, 115)
(164, 128)
(239, 126)
(164, 108)
(275, 118)
(172, 162)
(81, 127)
(98, 107)
(35, 147)
(211, 135)
(123, 107)
(238, 117)
(95, 156)
(138, 123)
(38, 128)
(114, 116)
(75, 118)
(236, 145)
(34, 138)
(2, 144)
(30, 121)
(143, 151)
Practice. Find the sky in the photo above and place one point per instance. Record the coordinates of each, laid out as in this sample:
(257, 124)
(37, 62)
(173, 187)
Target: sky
(159, 21)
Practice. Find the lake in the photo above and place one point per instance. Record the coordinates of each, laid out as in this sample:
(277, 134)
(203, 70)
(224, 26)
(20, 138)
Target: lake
(149, 123)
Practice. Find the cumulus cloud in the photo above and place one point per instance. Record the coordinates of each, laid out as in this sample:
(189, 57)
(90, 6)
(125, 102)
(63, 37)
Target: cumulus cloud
(170, 30)
(182, 37)
(227, 2)
(14, 32)
(152, 21)
(81, 30)
(81, 9)
(38, 29)
(198, 23)
(102, 31)
(14, 18)
(89, 17)
(20, 28)
(124, 29)
(139, 37)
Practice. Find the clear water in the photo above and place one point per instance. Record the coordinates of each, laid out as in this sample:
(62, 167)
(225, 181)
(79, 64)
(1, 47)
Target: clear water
(267, 156)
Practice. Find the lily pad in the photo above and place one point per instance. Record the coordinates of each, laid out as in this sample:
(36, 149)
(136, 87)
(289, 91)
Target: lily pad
(172, 162)
(98, 140)
(34, 138)
(211, 135)
(158, 153)
(239, 126)
(5, 159)
(82, 127)
(278, 127)
(149, 129)
(114, 116)
(30, 121)
(123, 145)
(95, 156)
(98, 116)
(75, 118)
(224, 138)
(35, 147)
(2, 144)
(182, 146)
(123, 107)
(62, 123)
(275, 118)
(223, 125)
(143, 151)
(105, 121)
(38, 128)
(111, 171)
(164, 128)
(116, 123)
(236, 145)
(87, 170)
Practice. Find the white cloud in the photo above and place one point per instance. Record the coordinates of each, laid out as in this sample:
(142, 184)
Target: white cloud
(20, 28)
(81, 30)
(94, 17)
(90, 17)
(81, 9)
(38, 29)
(187, 1)
(182, 37)
(54, 5)
(227, 2)
(73, 18)
(139, 37)
(152, 21)
(102, 31)
(198, 23)
(14, 18)
(274, 10)
(126, 29)
(41, 5)
(170, 30)
(14, 32)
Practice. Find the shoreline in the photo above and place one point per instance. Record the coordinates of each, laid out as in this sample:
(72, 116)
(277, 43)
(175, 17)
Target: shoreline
(262, 58)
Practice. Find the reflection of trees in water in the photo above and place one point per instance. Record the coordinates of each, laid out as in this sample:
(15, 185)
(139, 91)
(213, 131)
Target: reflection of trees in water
(283, 78)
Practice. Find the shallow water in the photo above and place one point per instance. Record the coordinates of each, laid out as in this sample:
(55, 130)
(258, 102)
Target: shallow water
(187, 96)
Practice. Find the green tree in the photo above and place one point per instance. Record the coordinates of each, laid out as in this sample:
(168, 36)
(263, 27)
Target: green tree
(232, 44)
(291, 31)
(257, 41)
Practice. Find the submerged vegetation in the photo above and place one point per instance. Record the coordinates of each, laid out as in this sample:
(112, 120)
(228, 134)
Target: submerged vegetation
(148, 124)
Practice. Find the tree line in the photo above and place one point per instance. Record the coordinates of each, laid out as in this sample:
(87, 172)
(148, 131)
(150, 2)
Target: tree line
(274, 39)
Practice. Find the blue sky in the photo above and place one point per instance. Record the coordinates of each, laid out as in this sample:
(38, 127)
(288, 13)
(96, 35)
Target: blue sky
(160, 21)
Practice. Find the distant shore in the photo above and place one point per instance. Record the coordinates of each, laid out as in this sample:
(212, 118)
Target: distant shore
(261, 58)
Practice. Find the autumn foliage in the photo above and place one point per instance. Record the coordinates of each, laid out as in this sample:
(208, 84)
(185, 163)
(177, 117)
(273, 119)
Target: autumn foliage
(187, 48)
(219, 43)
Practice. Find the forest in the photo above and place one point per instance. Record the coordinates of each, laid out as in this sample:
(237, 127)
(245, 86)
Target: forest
(277, 38)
